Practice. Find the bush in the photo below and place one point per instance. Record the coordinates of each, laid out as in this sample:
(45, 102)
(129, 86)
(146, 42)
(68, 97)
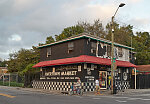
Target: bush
(14, 84)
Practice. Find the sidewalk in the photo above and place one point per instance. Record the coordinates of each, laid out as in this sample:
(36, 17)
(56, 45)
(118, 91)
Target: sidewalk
(103, 92)
(32, 90)
(133, 91)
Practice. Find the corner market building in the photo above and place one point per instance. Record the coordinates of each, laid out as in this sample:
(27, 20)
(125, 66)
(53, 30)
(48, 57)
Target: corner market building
(86, 57)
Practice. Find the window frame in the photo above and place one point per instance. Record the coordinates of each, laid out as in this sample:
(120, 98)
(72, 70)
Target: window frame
(109, 50)
(49, 51)
(70, 47)
(120, 52)
(93, 47)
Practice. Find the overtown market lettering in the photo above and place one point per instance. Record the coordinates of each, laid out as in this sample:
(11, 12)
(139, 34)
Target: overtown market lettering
(61, 75)
(63, 72)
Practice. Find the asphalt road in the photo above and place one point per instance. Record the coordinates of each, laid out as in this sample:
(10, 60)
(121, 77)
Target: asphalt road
(14, 96)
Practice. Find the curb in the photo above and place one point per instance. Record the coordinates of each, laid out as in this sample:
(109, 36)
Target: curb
(56, 92)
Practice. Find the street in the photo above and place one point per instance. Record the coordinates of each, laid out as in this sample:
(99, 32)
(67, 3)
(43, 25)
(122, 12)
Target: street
(9, 96)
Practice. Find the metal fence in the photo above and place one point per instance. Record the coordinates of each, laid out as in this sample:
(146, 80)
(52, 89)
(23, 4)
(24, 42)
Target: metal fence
(10, 79)
(29, 77)
(142, 81)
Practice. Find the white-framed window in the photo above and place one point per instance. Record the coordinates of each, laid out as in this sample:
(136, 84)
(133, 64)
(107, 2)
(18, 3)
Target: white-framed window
(53, 69)
(70, 47)
(49, 51)
(127, 70)
(108, 50)
(120, 52)
(126, 55)
(79, 67)
(119, 70)
(93, 47)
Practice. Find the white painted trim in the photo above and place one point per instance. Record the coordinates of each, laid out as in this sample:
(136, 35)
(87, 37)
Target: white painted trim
(135, 78)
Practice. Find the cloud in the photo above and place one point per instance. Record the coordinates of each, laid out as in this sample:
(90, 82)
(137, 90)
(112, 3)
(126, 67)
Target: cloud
(24, 23)
(53, 18)
(140, 24)
(141, 21)
(15, 37)
(33, 20)
(134, 1)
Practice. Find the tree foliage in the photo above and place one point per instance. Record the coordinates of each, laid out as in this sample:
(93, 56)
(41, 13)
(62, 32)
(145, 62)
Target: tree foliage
(18, 61)
(96, 29)
(49, 40)
(29, 69)
(142, 47)
(122, 34)
(22, 60)
(69, 31)
(3, 63)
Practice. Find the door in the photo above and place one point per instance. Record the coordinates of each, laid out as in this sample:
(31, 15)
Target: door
(103, 79)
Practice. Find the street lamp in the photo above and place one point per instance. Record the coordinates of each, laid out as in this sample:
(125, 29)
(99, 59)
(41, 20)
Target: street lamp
(112, 49)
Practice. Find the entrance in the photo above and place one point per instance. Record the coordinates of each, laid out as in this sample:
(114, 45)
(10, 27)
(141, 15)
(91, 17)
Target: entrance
(103, 79)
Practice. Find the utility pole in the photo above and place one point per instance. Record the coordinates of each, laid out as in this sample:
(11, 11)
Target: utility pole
(112, 49)
(112, 55)
(3, 77)
(9, 79)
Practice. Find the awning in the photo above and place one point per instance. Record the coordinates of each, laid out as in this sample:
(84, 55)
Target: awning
(83, 59)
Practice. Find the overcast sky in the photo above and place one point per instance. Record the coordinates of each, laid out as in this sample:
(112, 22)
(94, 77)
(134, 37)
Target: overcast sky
(24, 23)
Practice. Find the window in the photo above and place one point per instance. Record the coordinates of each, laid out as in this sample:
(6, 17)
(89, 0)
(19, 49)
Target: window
(120, 52)
(70, 47)
(53, 69)
(126, 53)
(108, 50)
(49, 52)
(130, 54)
(93, 47)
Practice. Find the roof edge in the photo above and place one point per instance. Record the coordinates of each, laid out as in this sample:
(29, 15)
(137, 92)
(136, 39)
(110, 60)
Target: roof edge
(86, 35)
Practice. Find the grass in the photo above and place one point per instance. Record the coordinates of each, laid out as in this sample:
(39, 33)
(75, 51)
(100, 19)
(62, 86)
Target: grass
(13, 84)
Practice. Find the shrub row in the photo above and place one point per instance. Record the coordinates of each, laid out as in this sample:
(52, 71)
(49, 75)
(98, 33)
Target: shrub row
(14, 84)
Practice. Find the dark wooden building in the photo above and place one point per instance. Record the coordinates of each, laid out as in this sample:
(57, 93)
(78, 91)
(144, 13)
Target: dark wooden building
(86, 57)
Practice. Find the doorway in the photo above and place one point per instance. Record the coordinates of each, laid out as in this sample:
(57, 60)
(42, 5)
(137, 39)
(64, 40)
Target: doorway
(103, 79)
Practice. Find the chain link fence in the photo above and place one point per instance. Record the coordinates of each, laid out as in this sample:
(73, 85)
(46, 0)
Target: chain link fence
(11, 79)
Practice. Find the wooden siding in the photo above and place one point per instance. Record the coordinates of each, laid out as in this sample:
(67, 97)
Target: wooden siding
(60, 51)
(82, 46)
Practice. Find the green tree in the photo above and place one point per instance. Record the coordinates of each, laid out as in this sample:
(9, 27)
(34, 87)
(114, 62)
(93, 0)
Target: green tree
(21, 60)
(3, 63)
(49, 40)
(141, 43)
(143, 58)
(69, 31)
(30, 73)
(122, 34)
(96, 29)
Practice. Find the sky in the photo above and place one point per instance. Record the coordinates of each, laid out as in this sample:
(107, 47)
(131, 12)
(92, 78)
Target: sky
(25, 23)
